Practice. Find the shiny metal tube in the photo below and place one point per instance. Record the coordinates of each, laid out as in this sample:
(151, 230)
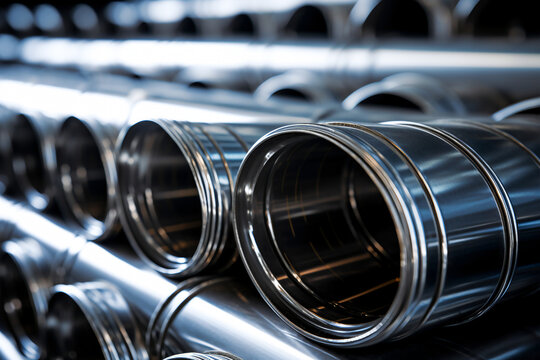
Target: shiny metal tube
(416, 92)
(525, 107)
(409, 18)
(175, 181)
(227, 315)
(91, 320)
(8, 350)
(203, 356)
(344, 68)
(329, 206)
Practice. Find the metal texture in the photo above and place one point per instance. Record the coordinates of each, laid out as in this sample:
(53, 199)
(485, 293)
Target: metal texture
(415, 92)
(93, 321)
(203, 356)
(344, 68)
(525, 107)
(319, 208)
(220, 314)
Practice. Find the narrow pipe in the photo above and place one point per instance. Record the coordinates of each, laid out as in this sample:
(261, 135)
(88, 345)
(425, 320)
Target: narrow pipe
(327, 206)
(344, 68)
(525, 107)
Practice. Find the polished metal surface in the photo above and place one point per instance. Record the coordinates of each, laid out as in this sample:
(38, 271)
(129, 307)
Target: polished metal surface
(319, 208)
(93, 321)
(513, 69)
(525, 107)
(203, 356)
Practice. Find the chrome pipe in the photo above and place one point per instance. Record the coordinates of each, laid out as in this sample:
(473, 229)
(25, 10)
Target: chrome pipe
(91, 320)
(410, 18)
(344, 68)
(421, 93)
(213, 355)
(8, 350)
(175, 183)
(522, 108)
(319, 208)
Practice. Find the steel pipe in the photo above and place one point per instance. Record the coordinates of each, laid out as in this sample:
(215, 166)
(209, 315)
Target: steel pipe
(414, 92)
(344, 68)
(203, 356)
(91, 321)
(525, 107)
(323, 207)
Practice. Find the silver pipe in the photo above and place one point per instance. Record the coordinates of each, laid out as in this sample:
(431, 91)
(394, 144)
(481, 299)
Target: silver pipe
(344, 68)
(211, 355)
(8, 350)
(321, 207)
(525, 107)
(226, 315)
(91, 320)
(422, 93)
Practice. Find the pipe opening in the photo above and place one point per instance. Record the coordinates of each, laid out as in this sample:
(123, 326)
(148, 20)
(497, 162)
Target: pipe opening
(242, 24)
(18, 307)
(390, 101)
(68, 333)
(332, 242)
(187, 26)
(162, 196)
(27, 159)
(398, 18)
(499, 18)
(308, 21)
(82, 172)
(290, 94)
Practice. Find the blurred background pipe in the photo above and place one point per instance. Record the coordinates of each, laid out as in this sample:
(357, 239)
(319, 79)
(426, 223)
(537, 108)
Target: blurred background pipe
(512, 71)
(422, 93)
(8, 350)
(306, 271)
(522, 108)
(91, 321)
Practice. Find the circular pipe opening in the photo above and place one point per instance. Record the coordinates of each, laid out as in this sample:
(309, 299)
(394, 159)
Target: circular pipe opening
(187, 26)
(242, 24)
(388, 100)
(160, 195)
(325, 231)
(27, 161)
(18, 306)
(500, 18)
(308, 21)
(290, 93)
(82, 173)
(68, 334)
(398, 18)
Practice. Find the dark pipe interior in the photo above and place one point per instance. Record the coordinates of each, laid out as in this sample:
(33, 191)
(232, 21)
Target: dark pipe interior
(242, 24)
(17, 305)
(333, 230)
(188, 27)
(82, 170)
(503, 18)
(308, 21)
(163, 189)
(290, 94)
(398, 18)
(390, 101)
(27, 158)
(68, 334)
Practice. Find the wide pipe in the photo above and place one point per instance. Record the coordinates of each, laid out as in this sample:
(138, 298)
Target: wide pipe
(513, 70)
(319, 208)
(225, 315)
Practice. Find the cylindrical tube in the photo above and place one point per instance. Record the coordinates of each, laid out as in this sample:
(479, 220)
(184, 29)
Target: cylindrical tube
(211, 355)
(324, 207)
(91, 320)
(414, 92)
(8, 350)
(514, 71)
(525, 107)
(175, 181)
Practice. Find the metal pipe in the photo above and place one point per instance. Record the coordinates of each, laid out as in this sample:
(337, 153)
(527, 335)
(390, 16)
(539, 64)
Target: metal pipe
(227, 315)
(422, 93)
(354, 234)
(91, 321)
(204, 356)
(344, 68)
(8, 350)
(525, 107)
